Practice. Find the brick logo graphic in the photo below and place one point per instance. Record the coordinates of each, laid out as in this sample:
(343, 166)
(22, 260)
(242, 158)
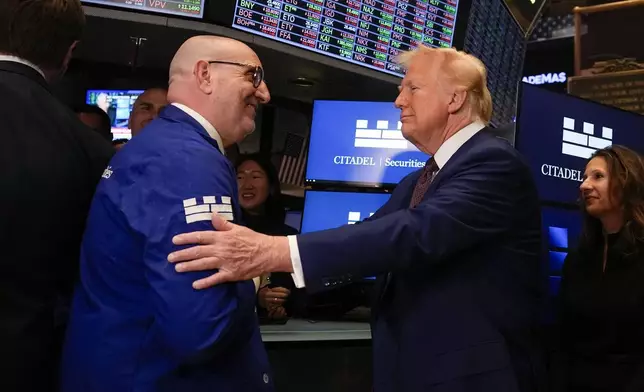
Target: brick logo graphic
(583, 144)
(381, 136)
(199, 212)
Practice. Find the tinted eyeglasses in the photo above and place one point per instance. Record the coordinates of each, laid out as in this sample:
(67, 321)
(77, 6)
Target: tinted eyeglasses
(258, 72)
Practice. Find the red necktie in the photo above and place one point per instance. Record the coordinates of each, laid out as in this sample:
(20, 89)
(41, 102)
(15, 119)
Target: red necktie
(426, 177)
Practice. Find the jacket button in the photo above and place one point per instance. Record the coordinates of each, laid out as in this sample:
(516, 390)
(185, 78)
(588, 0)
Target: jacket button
(265, 377)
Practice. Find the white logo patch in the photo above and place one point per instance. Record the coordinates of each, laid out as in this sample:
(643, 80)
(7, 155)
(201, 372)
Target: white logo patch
(196, 212)
(107, 173)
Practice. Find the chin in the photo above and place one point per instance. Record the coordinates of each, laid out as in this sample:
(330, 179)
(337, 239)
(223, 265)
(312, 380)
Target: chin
(593, 211)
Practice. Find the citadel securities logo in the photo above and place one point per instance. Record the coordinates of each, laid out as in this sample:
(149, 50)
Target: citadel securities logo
(583, 145)
(382, 138)
(354, 217)
(578, 144)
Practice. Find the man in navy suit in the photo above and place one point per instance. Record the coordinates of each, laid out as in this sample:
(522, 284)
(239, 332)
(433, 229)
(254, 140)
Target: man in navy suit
(136, 324)
(457, 246)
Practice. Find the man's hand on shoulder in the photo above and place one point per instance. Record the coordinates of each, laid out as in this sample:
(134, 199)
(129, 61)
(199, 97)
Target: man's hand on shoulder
(237, 252)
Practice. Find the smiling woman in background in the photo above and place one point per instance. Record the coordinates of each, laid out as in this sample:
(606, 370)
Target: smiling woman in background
(262, 211)
(602, 290)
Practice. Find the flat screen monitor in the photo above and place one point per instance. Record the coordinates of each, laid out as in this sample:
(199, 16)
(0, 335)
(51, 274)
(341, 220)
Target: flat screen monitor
(557, 133)
(369, 33)
(359, 143)
(327, 210)
(561, 230)
(118, 105)
(188, 8)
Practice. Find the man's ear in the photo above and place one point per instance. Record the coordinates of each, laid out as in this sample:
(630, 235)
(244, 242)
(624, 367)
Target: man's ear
(457, 102)
(204, 75)
(68, 57)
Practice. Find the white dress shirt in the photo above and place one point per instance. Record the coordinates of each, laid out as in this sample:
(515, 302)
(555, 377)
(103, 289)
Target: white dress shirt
(444, 153)
(15, 59)
(204, 123)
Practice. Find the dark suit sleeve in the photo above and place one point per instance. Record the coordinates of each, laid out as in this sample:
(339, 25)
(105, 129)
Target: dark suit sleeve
(477, 203)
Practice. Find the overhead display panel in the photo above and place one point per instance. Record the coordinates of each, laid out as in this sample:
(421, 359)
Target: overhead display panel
(365, 32)
(189, 8)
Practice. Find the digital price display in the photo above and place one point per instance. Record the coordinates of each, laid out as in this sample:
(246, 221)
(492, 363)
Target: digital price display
(191, 8)
(365, 32)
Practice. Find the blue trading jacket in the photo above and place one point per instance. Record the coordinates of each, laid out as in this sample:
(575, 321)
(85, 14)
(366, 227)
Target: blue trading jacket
(136, 324)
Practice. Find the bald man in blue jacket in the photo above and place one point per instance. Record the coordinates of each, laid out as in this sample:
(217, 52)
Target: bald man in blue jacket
(136, 324)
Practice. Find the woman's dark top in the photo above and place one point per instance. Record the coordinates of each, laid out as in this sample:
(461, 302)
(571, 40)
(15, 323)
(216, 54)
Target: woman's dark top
(602, 319)
(275, 227)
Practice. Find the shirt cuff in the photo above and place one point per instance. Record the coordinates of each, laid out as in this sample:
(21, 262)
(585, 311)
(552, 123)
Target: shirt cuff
(298, 273)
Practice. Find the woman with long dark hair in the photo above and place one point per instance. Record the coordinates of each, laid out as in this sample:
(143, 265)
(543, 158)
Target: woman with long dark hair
(602, 290)
(263, 212)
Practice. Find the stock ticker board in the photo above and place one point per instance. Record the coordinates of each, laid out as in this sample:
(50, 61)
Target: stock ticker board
(190, 8)
(365, 32)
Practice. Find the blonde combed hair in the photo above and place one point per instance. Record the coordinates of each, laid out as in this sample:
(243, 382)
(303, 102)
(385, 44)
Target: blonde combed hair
(461, 70)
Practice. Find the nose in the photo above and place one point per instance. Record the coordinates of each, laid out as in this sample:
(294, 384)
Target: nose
(262, 94)
(585, 187)
(400, 100)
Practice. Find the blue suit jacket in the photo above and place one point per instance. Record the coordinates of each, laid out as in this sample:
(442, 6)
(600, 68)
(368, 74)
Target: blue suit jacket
(466, 280)
(136, 324)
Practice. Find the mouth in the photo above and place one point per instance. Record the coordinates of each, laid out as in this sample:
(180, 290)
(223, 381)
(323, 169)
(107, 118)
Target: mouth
(247, 196)
(589, 199)
(253, 107)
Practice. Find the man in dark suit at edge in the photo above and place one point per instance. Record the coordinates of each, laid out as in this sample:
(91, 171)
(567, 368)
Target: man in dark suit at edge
(457, 246)
(50, 164)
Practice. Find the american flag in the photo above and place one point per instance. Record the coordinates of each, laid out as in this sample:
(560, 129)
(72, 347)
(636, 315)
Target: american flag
(293, 160)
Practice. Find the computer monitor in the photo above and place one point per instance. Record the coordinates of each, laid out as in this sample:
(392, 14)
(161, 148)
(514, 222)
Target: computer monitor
(561, 230)
(187, 8)
(327, 210)
(557, 133)
(369, 33)
(359, 143)
(118, 105)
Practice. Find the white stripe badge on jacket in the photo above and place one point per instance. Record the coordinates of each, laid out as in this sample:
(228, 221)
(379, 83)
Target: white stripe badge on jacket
(196, 212)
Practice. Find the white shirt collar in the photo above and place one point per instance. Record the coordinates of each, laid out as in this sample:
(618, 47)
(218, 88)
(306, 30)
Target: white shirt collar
(451, 145)
(15, 59)
(204, 123)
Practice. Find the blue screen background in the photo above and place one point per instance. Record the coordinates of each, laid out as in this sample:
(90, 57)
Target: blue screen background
(540, 133)
(561, 230)
(327, 210)
(333, 133)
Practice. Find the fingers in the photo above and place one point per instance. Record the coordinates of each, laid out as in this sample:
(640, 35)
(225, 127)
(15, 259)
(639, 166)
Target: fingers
(221, 224)
(196, 237)
(278, 312)
(281, 290)
(213, 280)
(202, 264)
(188, 254)
(277, 294)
